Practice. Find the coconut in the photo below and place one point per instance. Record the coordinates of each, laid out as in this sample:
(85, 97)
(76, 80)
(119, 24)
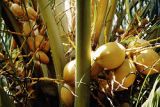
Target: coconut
(110, 55)
(66, 95)
(17, 10)
(69, 72)
(46, 46)
(39, 41)
(30, 42)
(95, 69)
(124, 75)
(27, 27)
(32, 14)
(148, 61)
(42, 57)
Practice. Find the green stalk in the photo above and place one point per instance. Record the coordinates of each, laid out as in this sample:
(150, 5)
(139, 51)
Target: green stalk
(57, 52)
(83, 51)
(54, 37)
(111, 11)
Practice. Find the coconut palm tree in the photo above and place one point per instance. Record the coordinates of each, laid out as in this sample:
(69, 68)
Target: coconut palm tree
(52, 53)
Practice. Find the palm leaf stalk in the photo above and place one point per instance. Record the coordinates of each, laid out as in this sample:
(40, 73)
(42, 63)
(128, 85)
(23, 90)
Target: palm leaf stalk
(83, 50)
(57, 52)
(54, 37)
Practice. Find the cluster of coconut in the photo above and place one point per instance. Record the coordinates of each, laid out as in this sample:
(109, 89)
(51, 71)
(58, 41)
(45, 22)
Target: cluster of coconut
(22, 12)
(36, 40)
(122, 63)
(39, 42)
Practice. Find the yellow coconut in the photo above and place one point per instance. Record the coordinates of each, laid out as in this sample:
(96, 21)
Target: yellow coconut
(69, 72)
(42, 57)
(17, 10)
(110, 55)
(95, 69)
(124, 75)
(39, 41)
(66, 95)
(27, 27)
(148, 61)
(31, 44)
(45, 46)
(32, 14)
